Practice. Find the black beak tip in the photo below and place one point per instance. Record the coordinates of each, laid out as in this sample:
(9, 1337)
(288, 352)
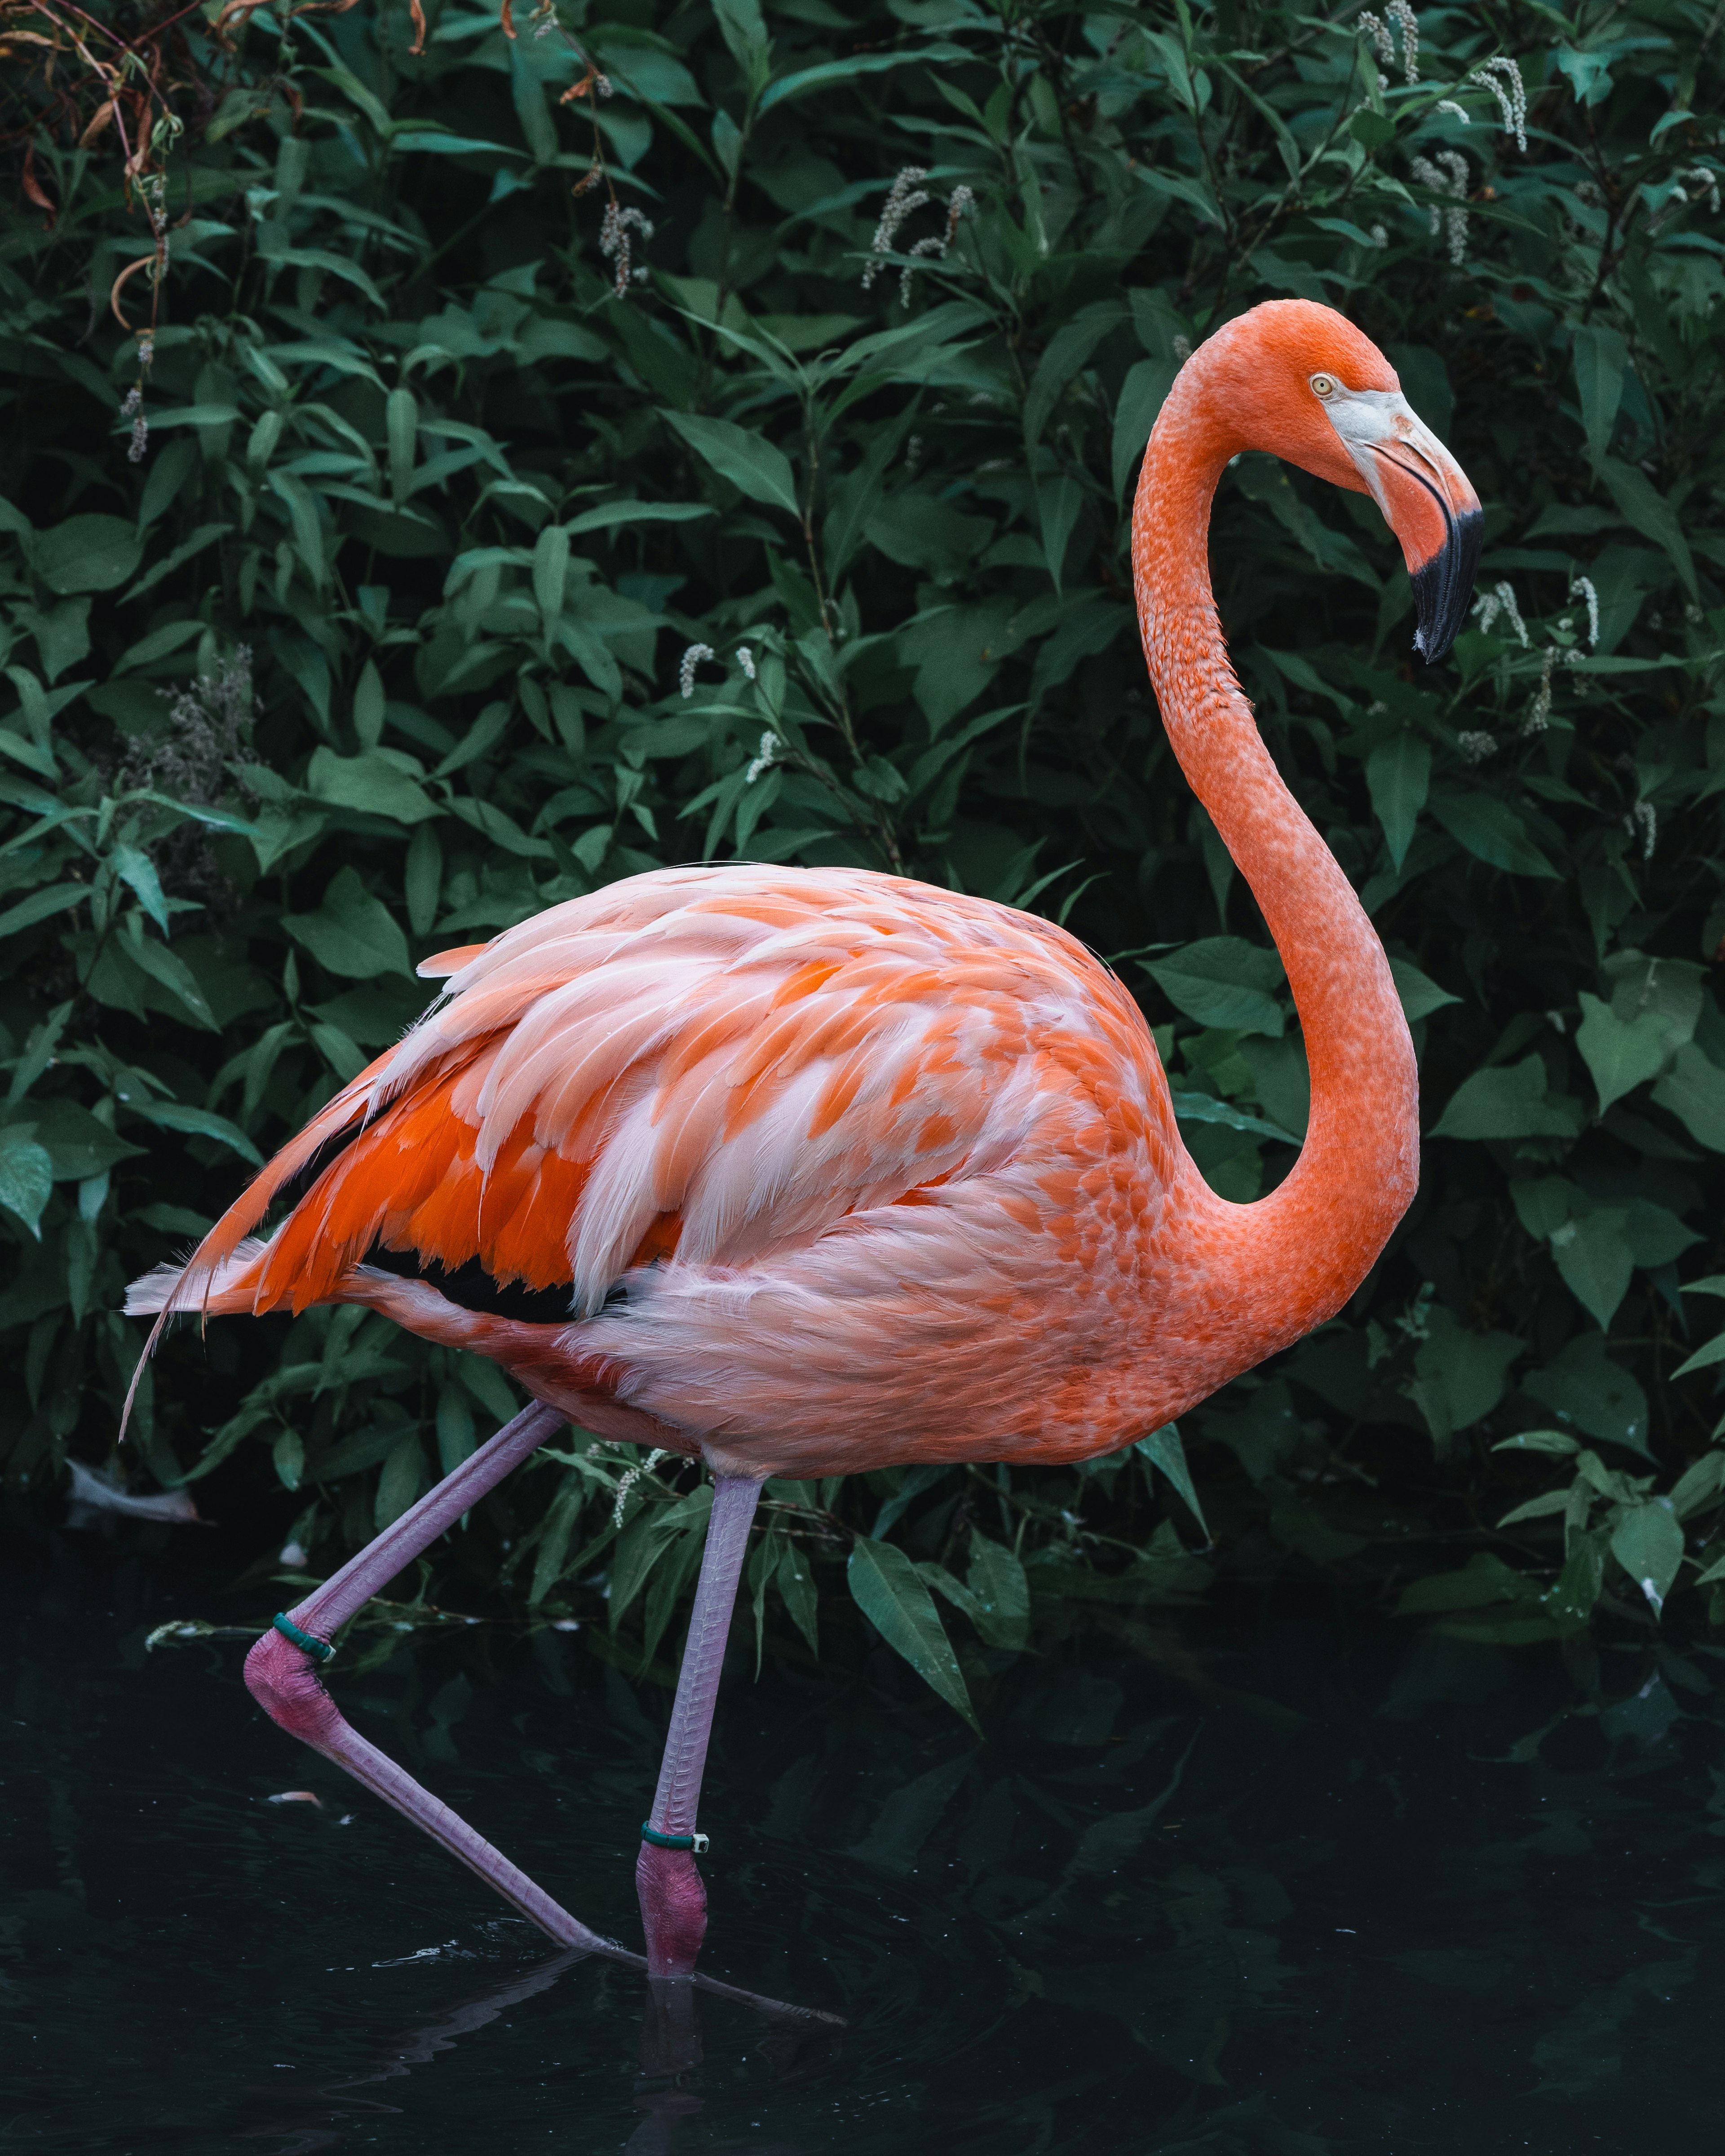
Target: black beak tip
(1444, 587)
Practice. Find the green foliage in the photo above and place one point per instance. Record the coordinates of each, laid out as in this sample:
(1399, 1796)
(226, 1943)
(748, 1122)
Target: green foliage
(766, 496)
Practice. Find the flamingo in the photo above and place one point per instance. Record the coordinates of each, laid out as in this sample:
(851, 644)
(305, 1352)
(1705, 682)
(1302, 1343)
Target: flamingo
(808, 1172)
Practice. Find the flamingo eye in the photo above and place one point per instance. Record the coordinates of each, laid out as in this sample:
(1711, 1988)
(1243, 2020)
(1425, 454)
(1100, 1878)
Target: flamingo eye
(1323, 385)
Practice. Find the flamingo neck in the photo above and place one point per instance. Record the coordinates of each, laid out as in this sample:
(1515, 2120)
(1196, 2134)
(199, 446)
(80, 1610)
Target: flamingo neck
(1290, 1260)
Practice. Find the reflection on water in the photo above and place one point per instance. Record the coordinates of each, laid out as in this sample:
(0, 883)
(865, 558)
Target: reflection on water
(1281, 1881)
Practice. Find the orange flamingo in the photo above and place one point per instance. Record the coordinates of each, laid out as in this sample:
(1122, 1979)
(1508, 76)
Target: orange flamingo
(808, 1172)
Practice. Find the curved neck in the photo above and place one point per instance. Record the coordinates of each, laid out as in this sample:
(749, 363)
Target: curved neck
(1293, 1258)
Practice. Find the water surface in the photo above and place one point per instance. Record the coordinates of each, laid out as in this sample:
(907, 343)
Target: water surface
(1281, 1877)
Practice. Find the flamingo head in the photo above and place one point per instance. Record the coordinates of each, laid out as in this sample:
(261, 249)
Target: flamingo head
(1300, 381)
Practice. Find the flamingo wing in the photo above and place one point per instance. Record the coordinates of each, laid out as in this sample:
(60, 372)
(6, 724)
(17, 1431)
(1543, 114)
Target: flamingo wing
(711, 1067)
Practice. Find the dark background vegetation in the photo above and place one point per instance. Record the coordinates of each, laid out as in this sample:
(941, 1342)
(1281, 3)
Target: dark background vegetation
(473, 371)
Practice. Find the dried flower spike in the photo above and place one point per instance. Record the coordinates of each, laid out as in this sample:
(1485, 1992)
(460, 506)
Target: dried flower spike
(615, 243)
(1583, 588)
(1503, 78)
(905, 197)
(1644, 818)
(1501, 599)
(1447, 175)
(692, 658)
(1381, 33)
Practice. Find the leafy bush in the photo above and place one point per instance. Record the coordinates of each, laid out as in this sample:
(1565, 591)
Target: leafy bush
(539, 450)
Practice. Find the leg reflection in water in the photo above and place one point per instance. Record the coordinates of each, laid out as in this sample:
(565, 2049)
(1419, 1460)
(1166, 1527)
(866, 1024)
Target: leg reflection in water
(670, 2046)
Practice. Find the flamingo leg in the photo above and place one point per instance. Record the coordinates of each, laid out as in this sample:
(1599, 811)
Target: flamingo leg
(667, 1881)
(283, 1678)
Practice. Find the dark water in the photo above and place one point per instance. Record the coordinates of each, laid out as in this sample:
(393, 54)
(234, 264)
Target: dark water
(1285, 1881)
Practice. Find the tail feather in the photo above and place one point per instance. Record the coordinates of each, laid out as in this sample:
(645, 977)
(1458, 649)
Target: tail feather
(220, 1292)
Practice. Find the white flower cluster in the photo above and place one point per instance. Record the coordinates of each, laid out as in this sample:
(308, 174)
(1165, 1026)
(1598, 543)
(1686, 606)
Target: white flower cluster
(1644, 819)
(746, 660)
(1475, 747)
(1707, 182)
(905, 196)
(1447, 175)
(1538, 716)
(628, 1479)
(1501, 599)
(691, 658)
(1401, 17)
(133, 409)
(1503, 78)
(1583, 588)
(765, 757)
(615, 243)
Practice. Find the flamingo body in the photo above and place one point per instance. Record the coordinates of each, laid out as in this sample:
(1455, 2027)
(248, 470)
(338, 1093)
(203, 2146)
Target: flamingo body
(829, 1170)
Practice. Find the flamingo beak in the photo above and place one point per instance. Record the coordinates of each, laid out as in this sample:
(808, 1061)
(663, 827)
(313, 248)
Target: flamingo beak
(1427, 500)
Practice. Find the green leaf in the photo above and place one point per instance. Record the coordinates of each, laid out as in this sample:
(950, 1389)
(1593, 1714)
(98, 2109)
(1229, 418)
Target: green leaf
(1648, 1543)
(795, 1580)
(1703, 1359)
(1224, 981)
(1596, 1262)
(1700, 1486)
(1620, 1056)
(1142, 395)
(352, 933)
(136, 869)
(375, 784)
(1063, 356)
(402, 1482)
(41, 906)
(1398, 777)
(201, 1122)
(1507, 1101)
(1572, 1599)
(79, 1145)
(560, 1523)
(1376, 129)
(1651, 514)
(168, 971)
(1492, 831)
(1589, 1391)
(1694, 1092)
(88, 553)
(1419, 996)
(1459, 1374)
(1483, 1580)
(1550, 1441)
(836, 73)
(1059, 503)
(1001, 1593)
(1536, 1508)
(1206, 1108)
(616, 514)
(885, 1586)
(26, 1175)
(1600, 358)
(752, 464)
(288, 1455)
(1162, 1448)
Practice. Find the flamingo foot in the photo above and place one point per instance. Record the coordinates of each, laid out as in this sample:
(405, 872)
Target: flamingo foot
(673, 1900)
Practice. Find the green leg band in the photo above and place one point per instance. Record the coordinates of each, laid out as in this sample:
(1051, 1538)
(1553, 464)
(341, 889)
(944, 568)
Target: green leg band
(696, 1842)
(320, 1650)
